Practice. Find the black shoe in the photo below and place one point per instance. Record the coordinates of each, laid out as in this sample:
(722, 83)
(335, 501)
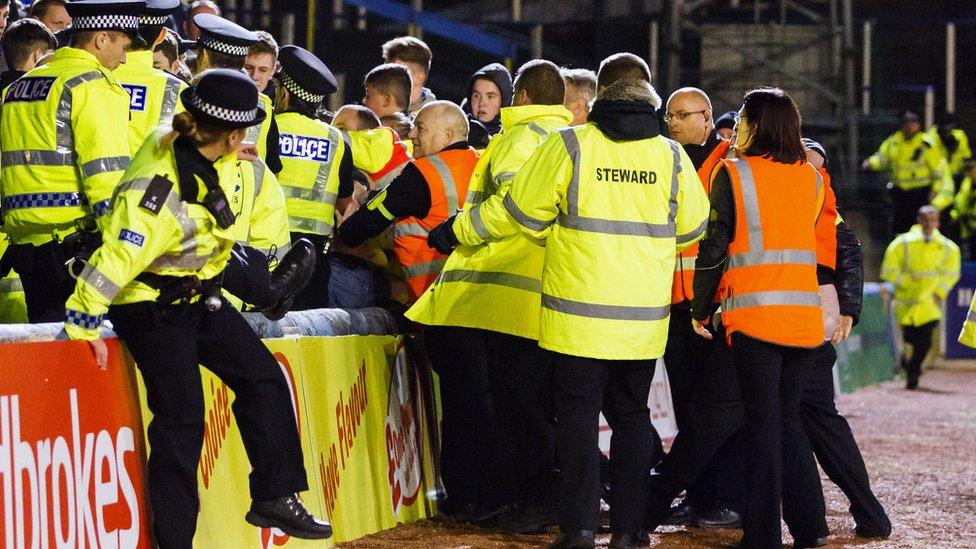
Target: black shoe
(683, 514)
(582, 539)
(291, 275)
(804, 544)
(720, 518)
(864, 532)
(288, 515)
(629, 541)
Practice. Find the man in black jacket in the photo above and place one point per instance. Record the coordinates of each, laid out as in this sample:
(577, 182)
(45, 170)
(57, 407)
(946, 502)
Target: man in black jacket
(24, 43)
(829, 433)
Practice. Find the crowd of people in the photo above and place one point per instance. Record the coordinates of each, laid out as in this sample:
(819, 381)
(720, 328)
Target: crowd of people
(543, 237)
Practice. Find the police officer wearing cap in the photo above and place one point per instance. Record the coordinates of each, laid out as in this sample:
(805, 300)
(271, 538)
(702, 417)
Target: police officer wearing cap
(317, 166)
(154, 94)
(58, 177)
(224, 44)
(156, 278)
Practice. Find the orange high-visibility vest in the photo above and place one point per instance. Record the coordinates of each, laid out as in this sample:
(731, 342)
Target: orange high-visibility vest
(769, 290)
(684, 264)
(447, 174)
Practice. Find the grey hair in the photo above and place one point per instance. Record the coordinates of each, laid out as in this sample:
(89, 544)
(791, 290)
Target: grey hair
(631, 90)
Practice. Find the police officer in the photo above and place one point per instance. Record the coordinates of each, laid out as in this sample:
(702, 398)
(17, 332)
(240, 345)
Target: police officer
(156, 277)
(58, 178)
(481, 287)
(317, 168)
(224, 44)
(154, 94)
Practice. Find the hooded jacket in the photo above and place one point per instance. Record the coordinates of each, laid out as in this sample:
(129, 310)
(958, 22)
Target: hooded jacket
(482, 131)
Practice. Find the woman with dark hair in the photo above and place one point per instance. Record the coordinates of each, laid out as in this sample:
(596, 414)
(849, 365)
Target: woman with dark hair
(759, 261)
(157, 277)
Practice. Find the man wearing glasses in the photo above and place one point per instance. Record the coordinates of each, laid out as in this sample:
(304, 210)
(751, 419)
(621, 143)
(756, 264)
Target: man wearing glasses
(711, 499)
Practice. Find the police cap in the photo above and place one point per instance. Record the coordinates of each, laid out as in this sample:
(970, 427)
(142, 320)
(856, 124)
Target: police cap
(224, 97)
(223, 36)
(108, 15)
(157, 12)
(305, 75)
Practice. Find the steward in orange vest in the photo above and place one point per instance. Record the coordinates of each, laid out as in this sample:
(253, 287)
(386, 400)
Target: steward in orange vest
(425, 194)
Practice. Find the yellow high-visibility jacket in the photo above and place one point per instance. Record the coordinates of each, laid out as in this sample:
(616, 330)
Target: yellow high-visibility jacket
(260, 207)
(259, 134)
(311, 152)
(958, 157)
(964, 207)
(13, 306)
(154, 96)
(967, 335)
(613, 214)
(920, 271)
(915, 163)
(64, 136)
(494, 284)
(178, 239)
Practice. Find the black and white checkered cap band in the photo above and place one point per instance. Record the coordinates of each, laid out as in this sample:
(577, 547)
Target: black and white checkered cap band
(153, 20)
(221, 113)
(99, 22)
(213, 43)
(294, 88)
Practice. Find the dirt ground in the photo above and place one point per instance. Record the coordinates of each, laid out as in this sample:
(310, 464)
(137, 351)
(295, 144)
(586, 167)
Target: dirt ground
(920, 449)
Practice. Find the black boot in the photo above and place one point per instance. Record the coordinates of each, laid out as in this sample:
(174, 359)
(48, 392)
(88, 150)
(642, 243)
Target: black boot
(720, 518)
(288, 515)
(290, 276)
(581, 539)
(629, 541)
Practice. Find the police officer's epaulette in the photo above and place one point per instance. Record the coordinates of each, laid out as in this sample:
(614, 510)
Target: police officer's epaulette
(156, 193)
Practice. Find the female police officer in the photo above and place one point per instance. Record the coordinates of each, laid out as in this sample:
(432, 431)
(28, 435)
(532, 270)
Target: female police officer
(157, 277)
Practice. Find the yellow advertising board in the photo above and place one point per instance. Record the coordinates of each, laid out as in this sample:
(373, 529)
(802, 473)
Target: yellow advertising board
(364, 436)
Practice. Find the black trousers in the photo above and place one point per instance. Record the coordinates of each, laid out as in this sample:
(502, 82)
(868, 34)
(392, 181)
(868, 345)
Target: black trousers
(47, 284)
(469, 434)
(521, 393)
(315, 294)
(620, 388)
(247, 277)
(920, 338)
(780, 467)
(168, 344)
(905, 207)
(719, 484)
(834, 445)
(713, 428)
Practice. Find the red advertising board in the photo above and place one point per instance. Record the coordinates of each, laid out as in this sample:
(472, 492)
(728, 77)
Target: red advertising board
(71, 448)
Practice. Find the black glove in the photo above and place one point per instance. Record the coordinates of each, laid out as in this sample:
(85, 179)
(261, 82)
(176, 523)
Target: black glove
(442, 238)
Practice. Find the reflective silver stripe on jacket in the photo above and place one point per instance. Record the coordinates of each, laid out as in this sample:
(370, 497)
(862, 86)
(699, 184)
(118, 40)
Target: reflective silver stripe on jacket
(99, 282)
(772, 298)
(475, 197)
(685, 263)
(479, 224)
(105, 165)
(254, 132)
(447, 180)
(510, 280)
(539, 130)
(11, 285)
(572, 220)
(521, 217)
(426, 268)
(173, 201)
(38, 158)
(171, 96)
(258, 168)
(409, 229)
(309, 225)
(611, 312)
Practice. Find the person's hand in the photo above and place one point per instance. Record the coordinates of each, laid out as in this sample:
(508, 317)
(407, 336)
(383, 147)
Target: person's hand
(843, 330)
(866, 165)
(701, 329)
(100, 350)
(442, 238)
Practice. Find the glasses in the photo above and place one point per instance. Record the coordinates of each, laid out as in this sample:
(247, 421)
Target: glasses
(681, 116)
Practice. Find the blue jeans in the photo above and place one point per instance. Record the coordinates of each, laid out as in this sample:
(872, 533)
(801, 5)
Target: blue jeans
(355, 283)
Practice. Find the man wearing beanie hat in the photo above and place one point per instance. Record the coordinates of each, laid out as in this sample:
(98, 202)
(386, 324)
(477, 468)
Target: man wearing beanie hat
(489, 90)
(58, 178)
(224, 44)
(317, 167)
(154, 94)
(725, 125)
